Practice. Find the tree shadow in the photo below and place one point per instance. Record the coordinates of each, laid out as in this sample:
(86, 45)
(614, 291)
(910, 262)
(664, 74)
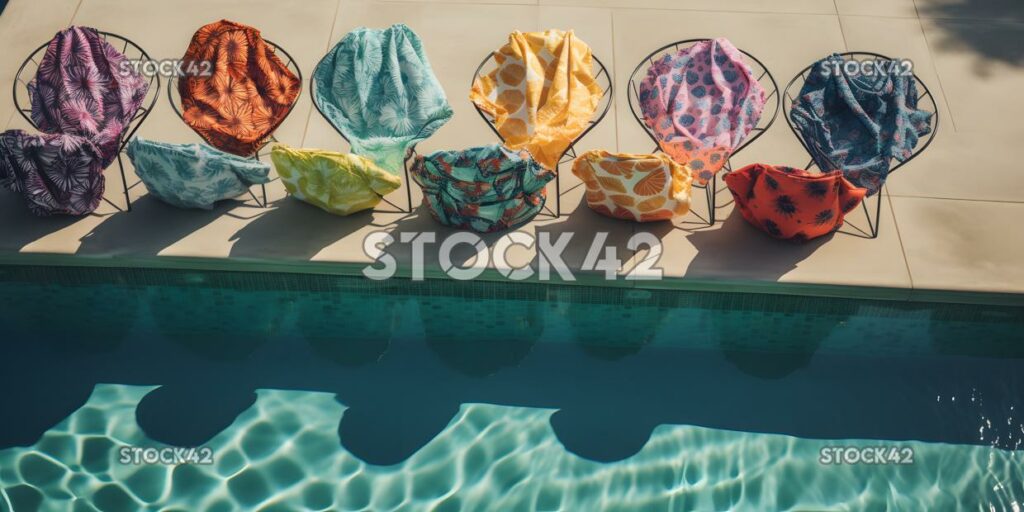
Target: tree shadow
(968, 25)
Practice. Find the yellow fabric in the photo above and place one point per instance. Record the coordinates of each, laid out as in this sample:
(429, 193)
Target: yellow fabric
(542, 94)
(642, 188)
(339, 183)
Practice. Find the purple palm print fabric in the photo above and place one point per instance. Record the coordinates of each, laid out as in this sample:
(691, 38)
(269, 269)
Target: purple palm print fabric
(83, 99)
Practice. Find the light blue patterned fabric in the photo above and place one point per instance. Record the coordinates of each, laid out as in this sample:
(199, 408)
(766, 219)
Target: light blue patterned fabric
(193, 175)
(859, 123)
(377, 88)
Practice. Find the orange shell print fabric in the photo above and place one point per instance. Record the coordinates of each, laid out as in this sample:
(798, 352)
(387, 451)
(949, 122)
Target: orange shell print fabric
(641, 188)
(542, 95)
(249, 93)
(793, 204)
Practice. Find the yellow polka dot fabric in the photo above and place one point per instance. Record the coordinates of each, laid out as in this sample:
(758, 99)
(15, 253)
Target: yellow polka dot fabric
(542, 94)
(340, 183)
(641, 188)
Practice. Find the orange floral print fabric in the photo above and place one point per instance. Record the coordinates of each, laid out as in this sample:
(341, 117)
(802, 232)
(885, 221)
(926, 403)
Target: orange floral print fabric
(640, 188)
(249, 91)
(793, 204)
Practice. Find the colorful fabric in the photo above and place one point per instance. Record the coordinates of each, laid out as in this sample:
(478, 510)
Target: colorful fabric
(377, 88)
(641, 188)
(486, 189)
(193, 175)
(859, 123)
(249, 91)
(701, 103)
(83, 99)
(542, 95)
(339, 183)
(793, 204)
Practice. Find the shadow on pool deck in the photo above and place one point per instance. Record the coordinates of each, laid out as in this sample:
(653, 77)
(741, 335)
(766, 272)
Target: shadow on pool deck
(20, 227)
(293, 230)
(968, 25)
(149, 228)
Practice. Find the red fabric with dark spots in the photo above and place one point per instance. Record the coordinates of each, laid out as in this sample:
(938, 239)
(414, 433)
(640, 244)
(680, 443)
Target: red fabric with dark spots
(793, 204)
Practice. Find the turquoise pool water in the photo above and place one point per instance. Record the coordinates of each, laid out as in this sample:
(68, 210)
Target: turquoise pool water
(329, 393)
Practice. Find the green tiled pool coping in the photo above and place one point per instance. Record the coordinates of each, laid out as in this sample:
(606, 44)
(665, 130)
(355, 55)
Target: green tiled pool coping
(492, 275)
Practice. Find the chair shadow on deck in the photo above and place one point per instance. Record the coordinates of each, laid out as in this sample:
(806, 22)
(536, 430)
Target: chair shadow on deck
(292, 230)
(21, 228)
(149, 228)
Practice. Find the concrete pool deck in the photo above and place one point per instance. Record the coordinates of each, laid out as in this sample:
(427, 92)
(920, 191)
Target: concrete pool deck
(947, 217)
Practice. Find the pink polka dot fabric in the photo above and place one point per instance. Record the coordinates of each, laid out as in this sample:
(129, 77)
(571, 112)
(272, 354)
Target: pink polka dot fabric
(701, 103)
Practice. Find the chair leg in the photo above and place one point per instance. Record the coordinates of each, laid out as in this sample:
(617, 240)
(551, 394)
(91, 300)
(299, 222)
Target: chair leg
(876, 224)
(558, 194)
(124, 183)
(713, 199)
(408, 189)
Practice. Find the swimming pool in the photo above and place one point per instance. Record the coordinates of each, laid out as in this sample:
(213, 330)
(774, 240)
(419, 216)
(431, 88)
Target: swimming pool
(336, 393)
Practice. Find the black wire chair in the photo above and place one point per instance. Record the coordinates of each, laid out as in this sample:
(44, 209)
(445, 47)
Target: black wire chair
(174, 96)
(408, 156)
(797, 83)
(768, 115)
(130, 51)
(603, 79)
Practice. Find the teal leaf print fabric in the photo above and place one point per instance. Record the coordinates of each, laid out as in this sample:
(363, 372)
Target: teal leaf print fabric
(193, 175)
(485, 189)
(377, 88)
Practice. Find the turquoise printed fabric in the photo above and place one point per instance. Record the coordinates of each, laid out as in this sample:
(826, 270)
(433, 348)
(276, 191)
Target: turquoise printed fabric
(193, 175)
(486, 189)
(376, 87)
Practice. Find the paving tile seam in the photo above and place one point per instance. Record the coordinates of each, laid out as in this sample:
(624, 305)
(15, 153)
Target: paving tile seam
(683, 9)
(880, 16)
(327, 48)
(463, 4)
(899, 237)
(996, 201)
(938, 74)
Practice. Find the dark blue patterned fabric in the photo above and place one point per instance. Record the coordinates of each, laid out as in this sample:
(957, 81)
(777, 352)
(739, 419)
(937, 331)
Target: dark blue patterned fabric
(859, 123)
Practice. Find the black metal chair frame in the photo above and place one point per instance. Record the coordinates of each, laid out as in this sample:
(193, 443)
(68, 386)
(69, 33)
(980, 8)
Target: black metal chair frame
(570, 152)
(408, 156)
(711, 189)
(133, 125)
(290, 63)
(801, 77)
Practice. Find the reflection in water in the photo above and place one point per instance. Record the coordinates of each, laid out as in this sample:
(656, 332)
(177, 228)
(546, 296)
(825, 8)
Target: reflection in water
(350, 329)
(978, 331)
(780, 344)
(65, 317)
(614, 331)
(479, 337)
(196, 317)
